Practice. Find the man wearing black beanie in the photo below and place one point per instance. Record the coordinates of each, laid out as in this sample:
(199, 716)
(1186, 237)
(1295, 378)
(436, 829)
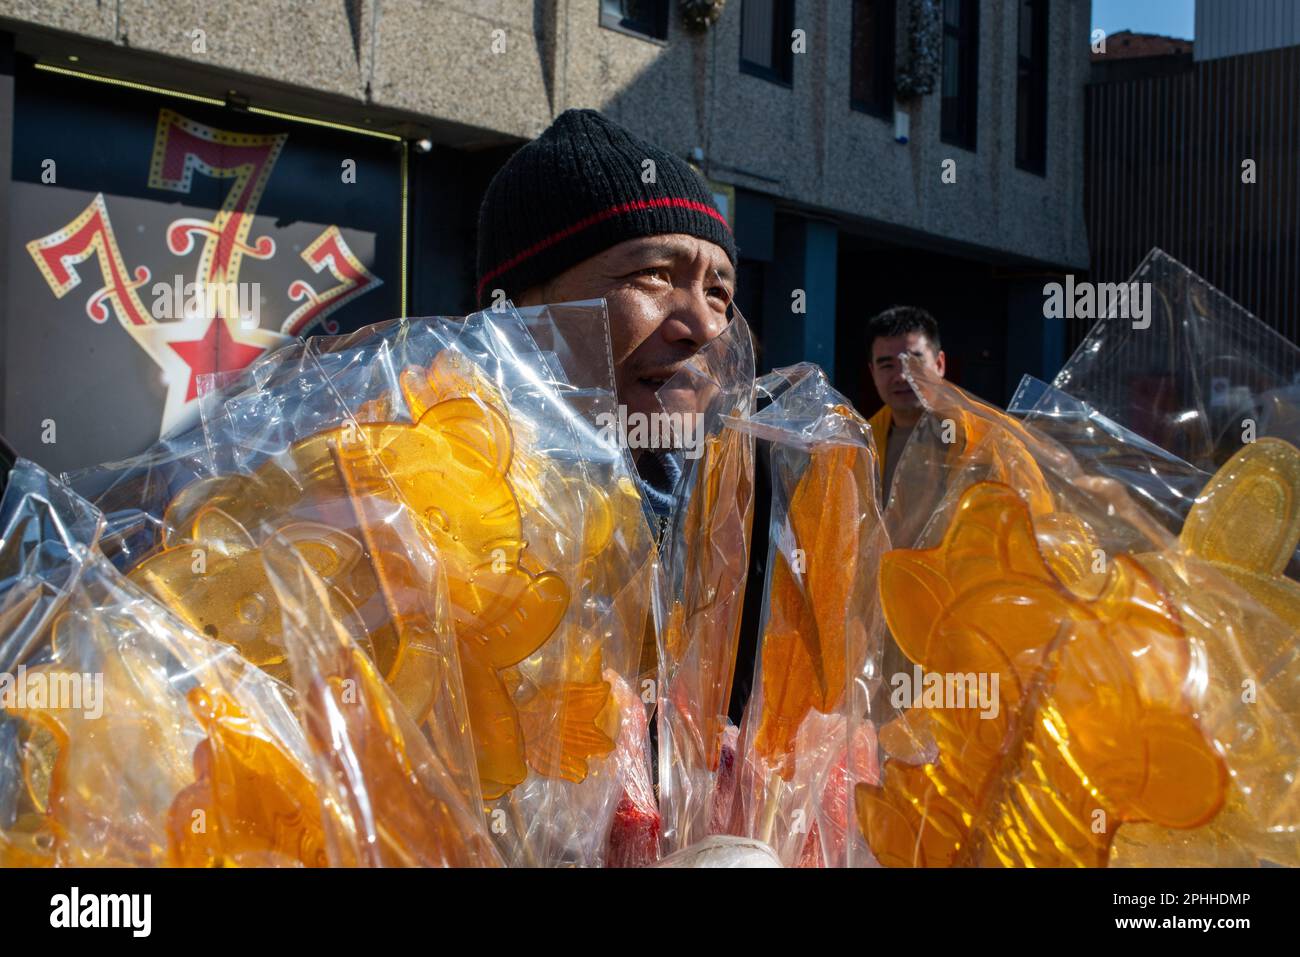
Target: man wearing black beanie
(590, 211)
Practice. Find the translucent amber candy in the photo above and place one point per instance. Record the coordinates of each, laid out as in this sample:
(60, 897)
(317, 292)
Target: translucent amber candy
(810, 621)
(251, 804)
(1244, 527)
(216, 582)
(703, 626)
(1092, 728)
(392, 811)
(96, 786)
(451, 468)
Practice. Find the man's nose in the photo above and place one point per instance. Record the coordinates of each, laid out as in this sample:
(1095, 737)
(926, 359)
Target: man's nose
(692, 318)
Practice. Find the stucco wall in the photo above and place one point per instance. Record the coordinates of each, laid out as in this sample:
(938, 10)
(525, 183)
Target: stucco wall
(436, 59)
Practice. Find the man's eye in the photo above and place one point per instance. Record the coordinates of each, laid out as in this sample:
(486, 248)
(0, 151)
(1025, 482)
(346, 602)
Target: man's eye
(653, 272)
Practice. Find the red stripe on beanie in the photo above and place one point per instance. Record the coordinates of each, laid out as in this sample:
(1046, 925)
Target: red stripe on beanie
(592, 220)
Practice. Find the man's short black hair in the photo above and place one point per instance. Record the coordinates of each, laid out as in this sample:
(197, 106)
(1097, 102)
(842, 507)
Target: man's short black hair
(901, 320)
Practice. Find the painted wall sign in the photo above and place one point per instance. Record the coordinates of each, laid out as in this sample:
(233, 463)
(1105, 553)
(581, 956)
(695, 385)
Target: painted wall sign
(154, 239)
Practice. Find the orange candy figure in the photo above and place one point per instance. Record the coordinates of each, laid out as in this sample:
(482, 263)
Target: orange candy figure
(416, 827)
(1244, 527)
(450, 376)
(703, 626)
(388, 798)
(98, 781)
(451, 469)
(216, 583)
(566, 723)
(504, 605)
(1093, 725)
(251, 804)
(810, 624)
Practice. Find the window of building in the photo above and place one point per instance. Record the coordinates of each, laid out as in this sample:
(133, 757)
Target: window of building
(871, 85)
(765, 27)
(646, 17)
(1031, 87)
(960, 72)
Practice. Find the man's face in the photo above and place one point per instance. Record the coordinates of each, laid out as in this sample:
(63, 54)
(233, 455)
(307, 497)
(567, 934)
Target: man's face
(668, 296)
(887, 370)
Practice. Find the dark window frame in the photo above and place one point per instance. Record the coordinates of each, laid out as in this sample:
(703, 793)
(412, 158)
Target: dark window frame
(782, 72)
(959, 115)
(882, 58)
(652, 26)
(1031, 88)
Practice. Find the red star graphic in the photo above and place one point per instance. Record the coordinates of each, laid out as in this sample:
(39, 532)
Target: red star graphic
(215, 352)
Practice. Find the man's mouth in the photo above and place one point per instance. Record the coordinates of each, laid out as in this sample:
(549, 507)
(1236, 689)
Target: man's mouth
(655, 378)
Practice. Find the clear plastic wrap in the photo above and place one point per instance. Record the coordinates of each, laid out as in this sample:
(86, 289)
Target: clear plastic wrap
(1135, 701)
(391, 800)
(1158, 480)
(701, 587)
(1196, 374)
(584, 731)
(807, 738)
(127, 739)
(479, 540)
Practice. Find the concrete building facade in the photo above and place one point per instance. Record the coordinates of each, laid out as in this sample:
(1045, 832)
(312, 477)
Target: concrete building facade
(856, 208)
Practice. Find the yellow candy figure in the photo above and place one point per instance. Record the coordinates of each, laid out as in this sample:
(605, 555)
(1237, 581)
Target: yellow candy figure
(1241, 532)
(451, 468)
(1092, 727)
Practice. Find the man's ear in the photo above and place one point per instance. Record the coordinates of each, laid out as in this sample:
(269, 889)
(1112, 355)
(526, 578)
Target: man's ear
(940, 363)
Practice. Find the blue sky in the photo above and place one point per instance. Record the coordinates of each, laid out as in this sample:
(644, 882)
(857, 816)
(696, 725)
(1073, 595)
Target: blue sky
(1171, 18)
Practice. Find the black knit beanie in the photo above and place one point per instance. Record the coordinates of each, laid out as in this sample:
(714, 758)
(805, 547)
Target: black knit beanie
(577, 190)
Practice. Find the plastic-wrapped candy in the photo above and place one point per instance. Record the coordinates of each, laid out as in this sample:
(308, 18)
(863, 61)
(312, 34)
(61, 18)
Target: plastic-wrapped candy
(701, 590)
(1118, 652)
(1222, 381)
(449, 484)
(252, 803)
(130, 740)
(320, 492)
(819, 655)
(1227, 571)
(583, 515)
(1087, 724)
(634, 836)
(388, 794)
(1155, 478)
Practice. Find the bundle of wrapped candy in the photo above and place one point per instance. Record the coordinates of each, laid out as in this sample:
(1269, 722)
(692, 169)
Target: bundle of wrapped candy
(810, 719)
(398, 601)
(701, 587)
(1091, 651)
(421, 577)
(1131, 641)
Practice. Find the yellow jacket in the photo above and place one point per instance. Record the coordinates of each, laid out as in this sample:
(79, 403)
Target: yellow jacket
(880, 424)
(1010, 462)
